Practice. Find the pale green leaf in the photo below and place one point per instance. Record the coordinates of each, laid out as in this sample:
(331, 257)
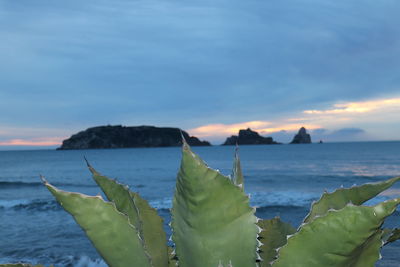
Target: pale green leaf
(237, 175)
(273, 236)
(116, 240)
(141, 215)
(356, 195)
(213, 224)
(341, 238)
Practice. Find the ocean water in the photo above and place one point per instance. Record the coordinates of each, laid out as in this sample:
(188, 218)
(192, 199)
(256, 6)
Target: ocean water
(282, 180)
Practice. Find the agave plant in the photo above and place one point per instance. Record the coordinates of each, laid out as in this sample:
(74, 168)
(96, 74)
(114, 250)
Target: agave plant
(214, 226)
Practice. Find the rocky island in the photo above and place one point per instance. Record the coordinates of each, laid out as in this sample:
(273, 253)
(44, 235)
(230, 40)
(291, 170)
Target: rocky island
(302, 137)
(249, 137)
(127, 137)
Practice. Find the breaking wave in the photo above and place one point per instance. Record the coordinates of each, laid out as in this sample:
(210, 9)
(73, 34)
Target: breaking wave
(25, 204)
(68, 261)
(20, 184)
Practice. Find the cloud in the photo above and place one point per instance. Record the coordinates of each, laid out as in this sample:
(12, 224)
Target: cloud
(351, 131)
(349, 121)
(344, 134)
(35, 142)
(160, 62)
(320, 131)
(70, 65)
(379, 117)
(360, 107)
(218, 132)
(226, 129)
(12, 137)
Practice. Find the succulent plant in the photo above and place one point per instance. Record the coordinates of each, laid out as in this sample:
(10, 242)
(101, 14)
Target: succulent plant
(214, 225)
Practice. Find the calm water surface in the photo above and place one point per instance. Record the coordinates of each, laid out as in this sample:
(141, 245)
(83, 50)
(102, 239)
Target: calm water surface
(281, 180)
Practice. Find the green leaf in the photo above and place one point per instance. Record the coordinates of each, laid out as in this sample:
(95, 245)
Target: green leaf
(141, 215)
(237, 175)
(343, 196)
(347, 237)
(152, 231)
(116, 240)
(273, 236)
(213, 224)
(390, 235)
(172, 259)
(369, 253)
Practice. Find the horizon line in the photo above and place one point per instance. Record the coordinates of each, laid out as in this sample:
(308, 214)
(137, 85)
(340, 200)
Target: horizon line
(54, 147)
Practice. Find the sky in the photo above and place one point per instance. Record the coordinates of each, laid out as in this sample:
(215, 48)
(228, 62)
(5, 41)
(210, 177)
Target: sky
(210, 67)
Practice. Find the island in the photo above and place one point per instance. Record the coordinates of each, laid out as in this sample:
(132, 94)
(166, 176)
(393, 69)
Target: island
(249, 137)
(119, 136)
(302, 137)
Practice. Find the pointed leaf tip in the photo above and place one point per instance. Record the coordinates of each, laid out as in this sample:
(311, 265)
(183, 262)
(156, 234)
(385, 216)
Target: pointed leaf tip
(109, 232)
(141, 215)
(44, 181)
(207, 208)
(91, 169)
(87, 162)
(182, 137)
(384, 209)
(237, 175)
(356, 195)
(360, 242)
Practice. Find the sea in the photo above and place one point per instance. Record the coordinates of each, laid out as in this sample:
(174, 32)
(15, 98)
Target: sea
(282, 180)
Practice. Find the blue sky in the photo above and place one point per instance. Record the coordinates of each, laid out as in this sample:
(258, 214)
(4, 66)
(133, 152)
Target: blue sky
(200, 65)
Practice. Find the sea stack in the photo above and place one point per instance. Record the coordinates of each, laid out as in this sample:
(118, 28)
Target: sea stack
(248, 137)
(127, 137)
(302, 137)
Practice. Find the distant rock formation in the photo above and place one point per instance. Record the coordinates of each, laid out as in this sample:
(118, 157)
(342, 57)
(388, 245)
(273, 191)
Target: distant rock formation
(302, 137)
(125, 137)
(249, 137)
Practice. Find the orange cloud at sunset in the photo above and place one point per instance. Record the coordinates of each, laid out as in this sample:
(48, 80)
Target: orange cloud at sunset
(288, 127)
(28, 136)
(378, 119)
(340, 115)
(263, 127)
(226, 129)
(35, 142)
(359, 107)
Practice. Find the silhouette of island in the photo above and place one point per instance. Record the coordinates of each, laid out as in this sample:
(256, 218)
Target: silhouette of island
(302, 137)
(249, 137)
(127, 137)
